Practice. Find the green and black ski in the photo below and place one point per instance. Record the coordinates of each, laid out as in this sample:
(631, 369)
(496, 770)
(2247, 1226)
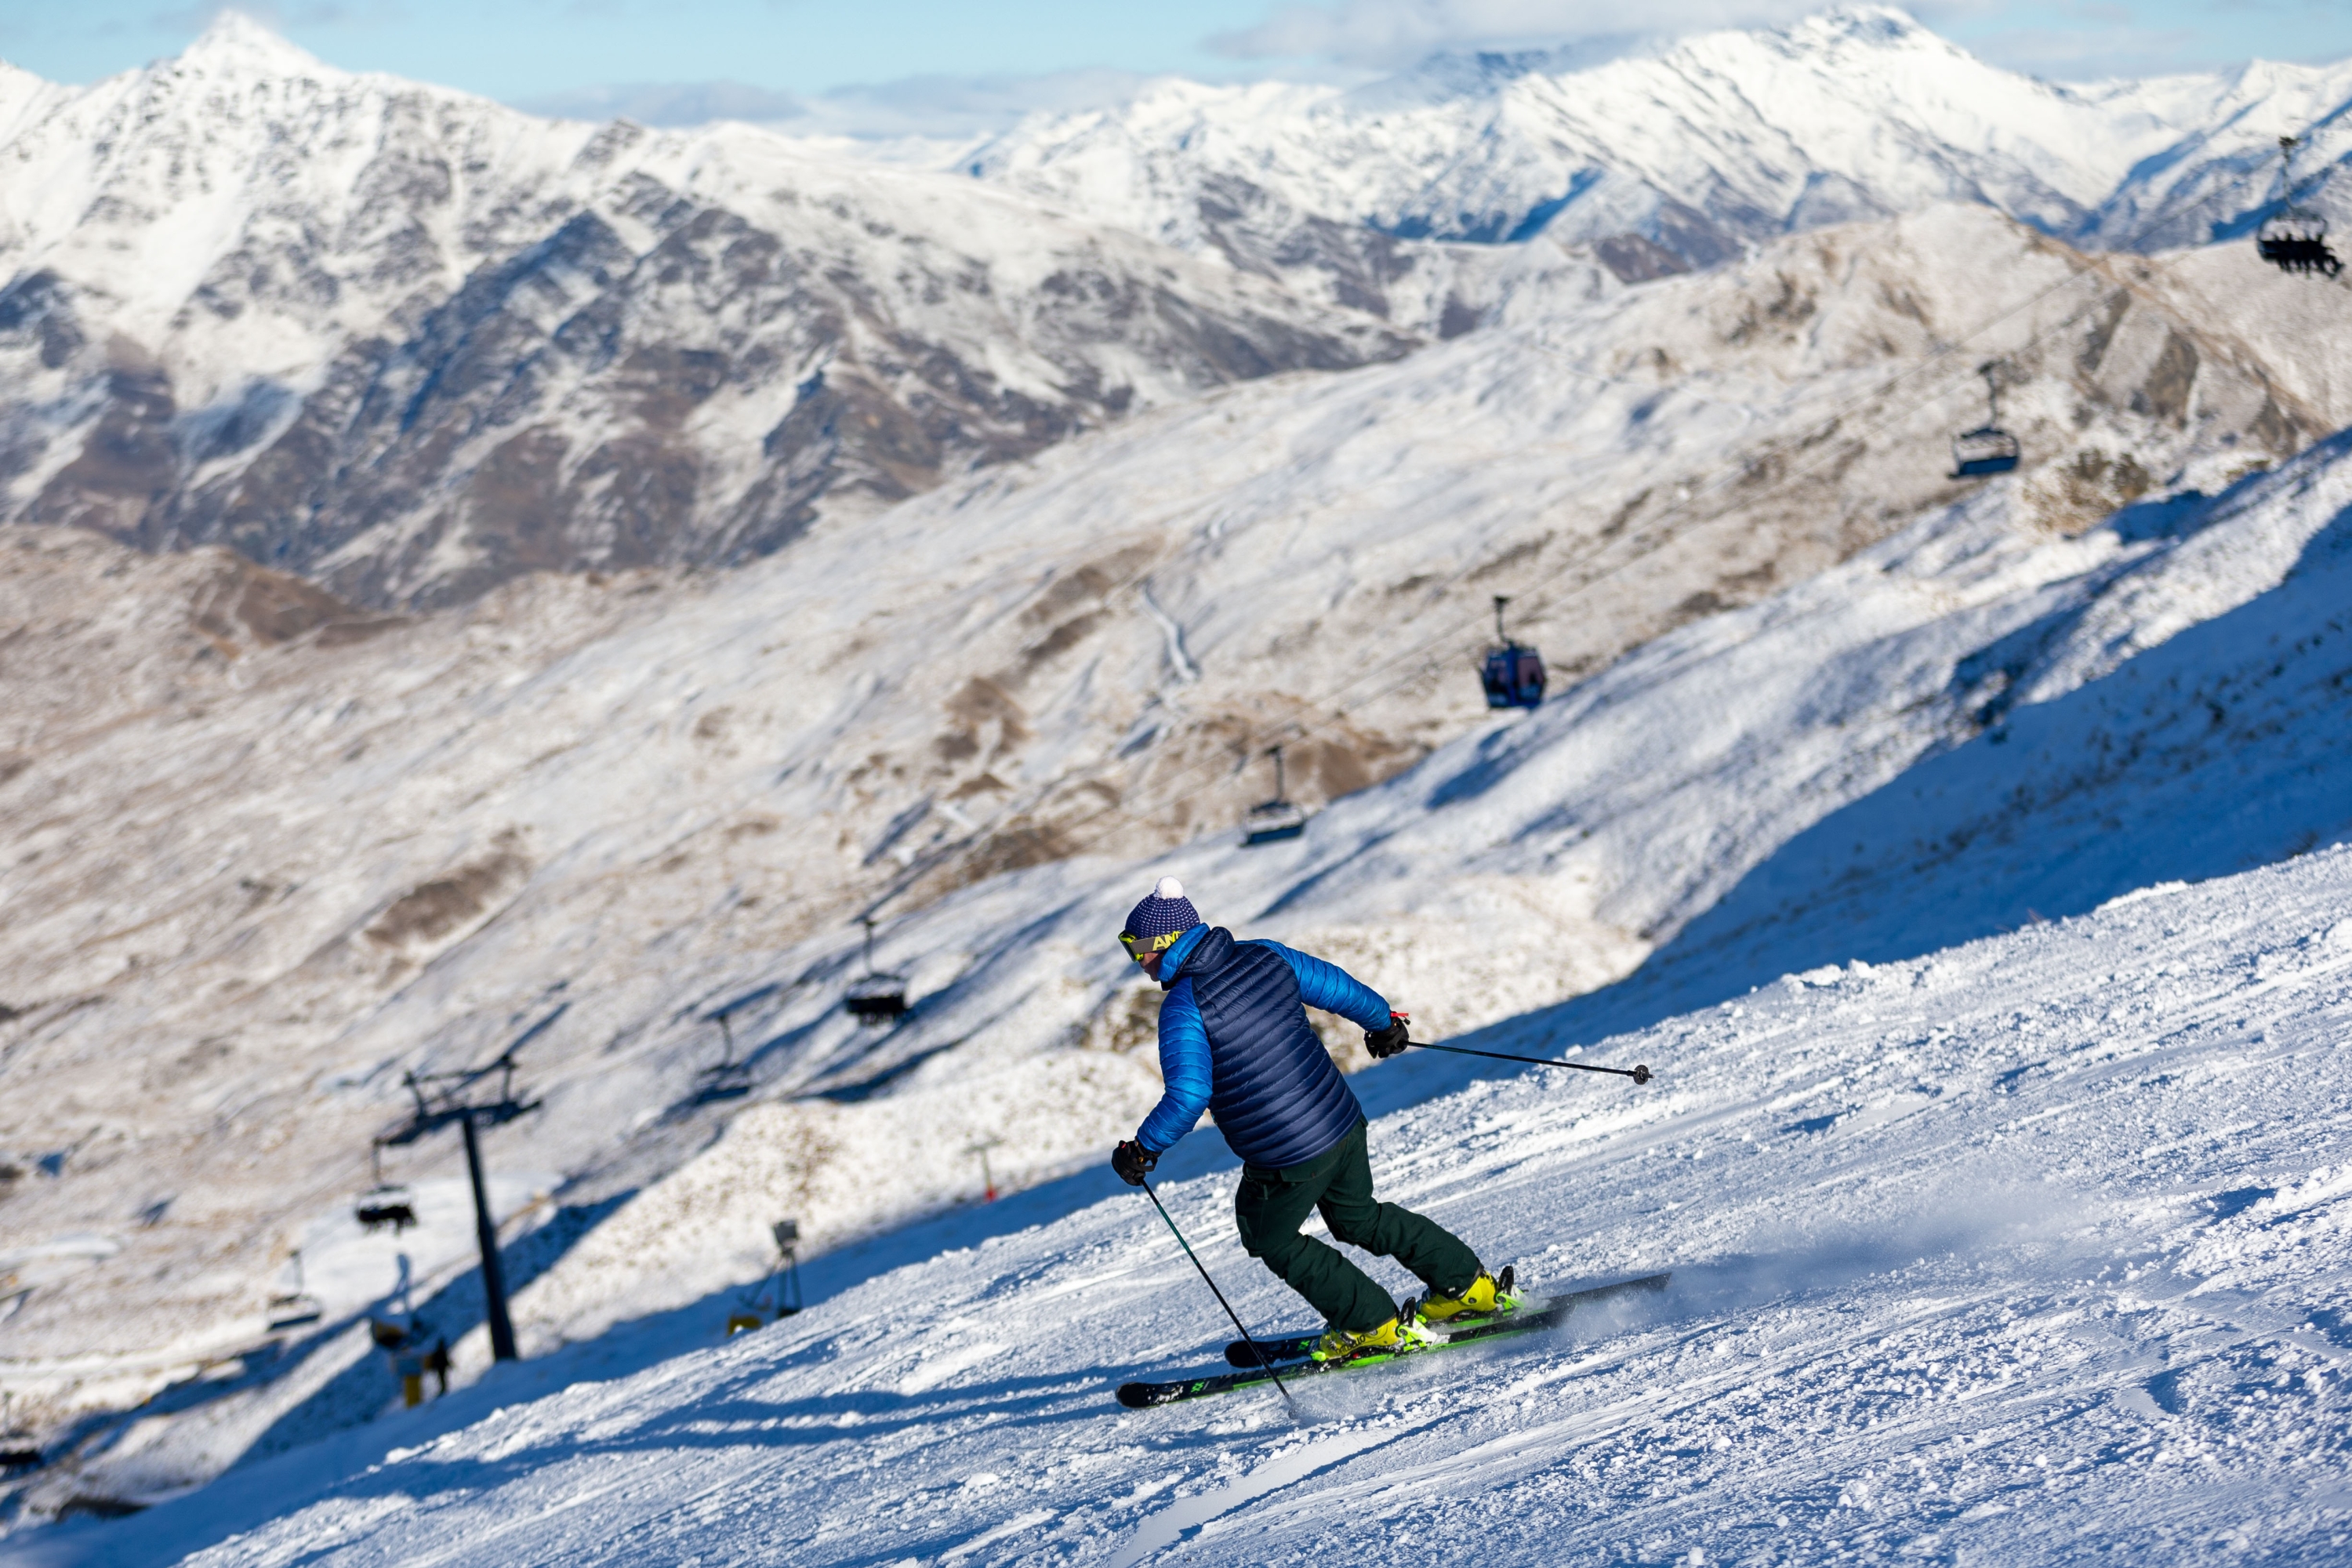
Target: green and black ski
(1530, 1317)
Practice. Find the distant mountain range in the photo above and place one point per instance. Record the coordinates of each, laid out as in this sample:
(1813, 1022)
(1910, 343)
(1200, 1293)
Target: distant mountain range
(410, 344)
(1681, 157)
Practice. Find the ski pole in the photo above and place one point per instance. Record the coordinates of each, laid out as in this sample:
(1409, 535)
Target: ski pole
(1638, 1074)
(1262, 1360)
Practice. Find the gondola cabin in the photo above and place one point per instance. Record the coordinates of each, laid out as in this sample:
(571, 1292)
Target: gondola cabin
(1512, 673)
(1514, 678)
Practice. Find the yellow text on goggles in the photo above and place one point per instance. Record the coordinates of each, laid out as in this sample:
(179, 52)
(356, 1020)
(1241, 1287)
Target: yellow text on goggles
(1140, 948)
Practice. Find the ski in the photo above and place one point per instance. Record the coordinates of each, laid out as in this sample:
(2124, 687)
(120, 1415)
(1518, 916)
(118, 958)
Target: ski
(1296, 1347)
(1528, 1318)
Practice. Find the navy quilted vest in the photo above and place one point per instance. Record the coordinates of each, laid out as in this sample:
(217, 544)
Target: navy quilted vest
(1275, 1094)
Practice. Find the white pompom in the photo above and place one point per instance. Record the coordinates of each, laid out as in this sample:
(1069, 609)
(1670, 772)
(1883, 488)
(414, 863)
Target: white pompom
(1170, 887)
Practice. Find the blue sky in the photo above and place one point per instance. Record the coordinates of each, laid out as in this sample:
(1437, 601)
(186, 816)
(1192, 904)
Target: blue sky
(525, 50)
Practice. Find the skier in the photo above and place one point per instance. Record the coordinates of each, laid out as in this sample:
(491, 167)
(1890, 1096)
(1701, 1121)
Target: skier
(1233, 1039)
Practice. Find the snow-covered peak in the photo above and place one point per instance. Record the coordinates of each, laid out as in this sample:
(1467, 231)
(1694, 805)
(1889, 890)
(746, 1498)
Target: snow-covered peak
(1871, 25)
(238, 45)
(259, 229)
(1695, 149)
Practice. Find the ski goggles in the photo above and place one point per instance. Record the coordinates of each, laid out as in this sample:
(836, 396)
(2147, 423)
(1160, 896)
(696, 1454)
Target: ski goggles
(1140, 948)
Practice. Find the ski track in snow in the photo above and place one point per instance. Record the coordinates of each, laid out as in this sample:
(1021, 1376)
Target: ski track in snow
(2031, 1250)
(1524, 860)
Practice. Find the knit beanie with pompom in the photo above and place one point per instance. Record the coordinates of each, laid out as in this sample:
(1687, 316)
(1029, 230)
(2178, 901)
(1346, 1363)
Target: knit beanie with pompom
(1164, 911)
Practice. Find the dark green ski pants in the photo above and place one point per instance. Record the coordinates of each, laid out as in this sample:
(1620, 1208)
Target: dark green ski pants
(1271, 1205)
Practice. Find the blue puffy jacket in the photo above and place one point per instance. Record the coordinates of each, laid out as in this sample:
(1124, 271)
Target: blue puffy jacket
(1234, 1039)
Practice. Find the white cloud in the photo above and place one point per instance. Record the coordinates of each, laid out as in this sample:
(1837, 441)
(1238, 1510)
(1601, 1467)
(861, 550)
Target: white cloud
(667, 103)
(940, 108)
(2093, 48)
(1386, 34)
(957, 107)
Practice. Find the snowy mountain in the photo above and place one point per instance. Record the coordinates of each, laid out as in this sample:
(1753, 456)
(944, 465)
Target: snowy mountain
(1677, 158)
(410, 344)
(2015, 1252)
(276, 853)
(1814, 700)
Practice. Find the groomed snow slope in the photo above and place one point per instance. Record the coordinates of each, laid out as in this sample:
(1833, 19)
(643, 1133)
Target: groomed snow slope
(403, 850)
(2026, 1252)
(2226, 747)
(1509, 867)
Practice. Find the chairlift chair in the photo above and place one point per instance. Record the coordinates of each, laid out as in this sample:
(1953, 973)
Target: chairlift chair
(1272, 821)
(386, 1202)
(731, 1079)
(2294, 238)
(875, 999)
(298, 1306)
(1988, 448)
(1513, 673)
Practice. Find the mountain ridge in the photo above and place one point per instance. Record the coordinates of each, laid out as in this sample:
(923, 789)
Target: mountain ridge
(410, 343)
(1698, 147)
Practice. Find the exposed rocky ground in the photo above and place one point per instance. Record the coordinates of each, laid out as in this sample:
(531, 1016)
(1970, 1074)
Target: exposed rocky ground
(410, 344)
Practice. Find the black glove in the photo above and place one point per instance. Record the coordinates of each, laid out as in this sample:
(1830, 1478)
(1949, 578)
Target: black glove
(1132, 1160)
(1386, 1043)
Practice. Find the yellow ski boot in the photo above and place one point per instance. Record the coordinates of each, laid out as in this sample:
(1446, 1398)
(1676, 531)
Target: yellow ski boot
(1483, 1297)
(1338, 1344)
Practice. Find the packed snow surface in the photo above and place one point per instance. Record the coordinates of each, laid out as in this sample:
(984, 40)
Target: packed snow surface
(1811, 698)
(277, 871)
(2019, 1252)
